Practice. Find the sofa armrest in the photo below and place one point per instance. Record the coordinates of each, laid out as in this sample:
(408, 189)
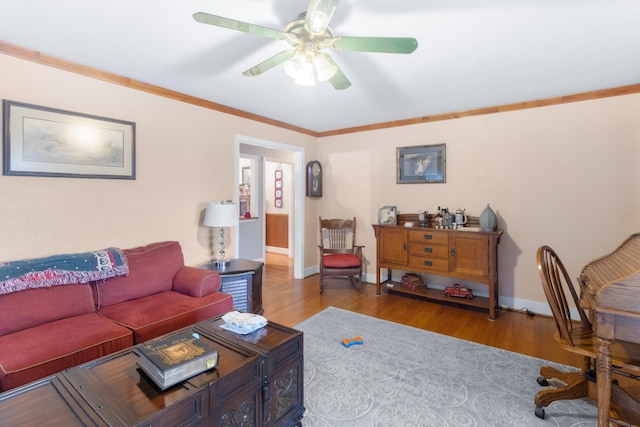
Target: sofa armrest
(196, 282)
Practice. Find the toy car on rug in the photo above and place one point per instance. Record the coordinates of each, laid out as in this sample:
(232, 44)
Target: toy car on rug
(457, 291)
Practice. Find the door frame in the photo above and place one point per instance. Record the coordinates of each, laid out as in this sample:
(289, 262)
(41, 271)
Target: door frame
(298, 191)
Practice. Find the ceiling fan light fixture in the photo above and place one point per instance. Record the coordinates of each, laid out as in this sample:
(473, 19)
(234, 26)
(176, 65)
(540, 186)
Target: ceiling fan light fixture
(306, 80)
(324, 69)
(294, 66)
(308, 35)
(301, 69)
(319, 14)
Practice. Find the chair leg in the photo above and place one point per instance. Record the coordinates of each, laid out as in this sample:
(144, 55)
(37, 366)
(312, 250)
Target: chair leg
(356, 282)
(576, 387)
(566, 377)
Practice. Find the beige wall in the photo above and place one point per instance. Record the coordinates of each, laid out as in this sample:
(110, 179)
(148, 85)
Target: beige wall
(185, 158)
(564, 175)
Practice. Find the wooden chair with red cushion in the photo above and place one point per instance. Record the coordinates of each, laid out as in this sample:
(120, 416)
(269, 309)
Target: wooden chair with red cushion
(340, 257)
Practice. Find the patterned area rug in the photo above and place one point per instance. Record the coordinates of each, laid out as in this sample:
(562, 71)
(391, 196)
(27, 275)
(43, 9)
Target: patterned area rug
(403, 376)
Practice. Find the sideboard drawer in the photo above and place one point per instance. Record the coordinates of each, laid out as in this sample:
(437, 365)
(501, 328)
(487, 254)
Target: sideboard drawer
(431, 237)
(430, 251)
(424, 264)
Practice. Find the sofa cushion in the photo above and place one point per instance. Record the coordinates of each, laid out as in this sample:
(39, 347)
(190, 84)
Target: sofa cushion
(151, 270)
(44, 350)
(159, 314)
(33, 307)
(196, 282)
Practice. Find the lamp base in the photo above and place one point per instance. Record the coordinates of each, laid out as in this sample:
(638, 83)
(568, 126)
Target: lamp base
(221, 263)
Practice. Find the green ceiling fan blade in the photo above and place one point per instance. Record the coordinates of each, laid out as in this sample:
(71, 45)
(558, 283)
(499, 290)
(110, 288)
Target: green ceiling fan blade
(232, 24)
(339, 81)
(376, 44)
(269, 63)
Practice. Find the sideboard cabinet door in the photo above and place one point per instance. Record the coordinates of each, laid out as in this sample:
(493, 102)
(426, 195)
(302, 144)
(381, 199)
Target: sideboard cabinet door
(469, 254)
(392, 244)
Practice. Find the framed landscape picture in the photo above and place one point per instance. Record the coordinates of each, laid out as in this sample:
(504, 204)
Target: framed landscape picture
(420, 164)
(41, 141)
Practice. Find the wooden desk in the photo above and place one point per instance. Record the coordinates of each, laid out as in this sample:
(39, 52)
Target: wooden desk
(620, 263)
(617, 317)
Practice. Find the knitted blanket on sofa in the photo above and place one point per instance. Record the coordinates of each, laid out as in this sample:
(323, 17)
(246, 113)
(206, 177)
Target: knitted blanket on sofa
(62, 270)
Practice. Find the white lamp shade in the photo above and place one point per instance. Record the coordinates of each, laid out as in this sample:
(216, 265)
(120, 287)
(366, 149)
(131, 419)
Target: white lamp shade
(306, 67)
(301, 69)
(324, 69)
(221, 214)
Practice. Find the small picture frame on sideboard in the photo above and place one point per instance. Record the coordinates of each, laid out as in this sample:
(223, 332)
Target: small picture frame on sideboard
(387, 215)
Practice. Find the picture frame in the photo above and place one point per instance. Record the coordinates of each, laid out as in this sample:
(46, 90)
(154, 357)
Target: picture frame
(246, 174)
(421, 164)
(387, 215)
(43, 141)
(278, 193)
(278, 203)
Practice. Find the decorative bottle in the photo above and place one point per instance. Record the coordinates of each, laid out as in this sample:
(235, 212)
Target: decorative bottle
(488, 219)
(438, 218)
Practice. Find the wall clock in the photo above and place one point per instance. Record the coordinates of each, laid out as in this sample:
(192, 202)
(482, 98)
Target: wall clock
(314, 179)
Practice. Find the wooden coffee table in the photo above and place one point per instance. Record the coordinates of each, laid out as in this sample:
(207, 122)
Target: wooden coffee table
(247, 388)
(282, 367)
(63, 406)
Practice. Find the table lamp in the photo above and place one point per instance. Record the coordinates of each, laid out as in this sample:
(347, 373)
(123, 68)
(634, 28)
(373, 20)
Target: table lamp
(221, 215)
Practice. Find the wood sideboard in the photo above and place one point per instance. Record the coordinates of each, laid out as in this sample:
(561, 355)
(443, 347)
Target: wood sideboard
(464, 255)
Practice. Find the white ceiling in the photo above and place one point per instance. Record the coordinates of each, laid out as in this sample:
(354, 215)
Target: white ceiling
(471, 53)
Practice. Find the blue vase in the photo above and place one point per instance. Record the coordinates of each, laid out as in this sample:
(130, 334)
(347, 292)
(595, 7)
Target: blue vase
(488, 219)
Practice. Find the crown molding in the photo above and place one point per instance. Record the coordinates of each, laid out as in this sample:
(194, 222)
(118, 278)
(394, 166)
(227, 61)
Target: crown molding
(62, 64)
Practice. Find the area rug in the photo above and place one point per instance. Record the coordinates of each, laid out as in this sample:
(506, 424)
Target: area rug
(403, 376)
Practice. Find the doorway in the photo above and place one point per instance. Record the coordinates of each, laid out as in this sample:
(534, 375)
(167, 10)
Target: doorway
(252, 232)
(278, 204)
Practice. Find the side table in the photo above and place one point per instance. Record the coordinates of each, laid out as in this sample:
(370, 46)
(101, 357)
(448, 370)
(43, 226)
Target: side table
(242, 279)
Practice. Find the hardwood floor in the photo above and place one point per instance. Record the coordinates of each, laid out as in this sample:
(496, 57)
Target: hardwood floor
(289, 301)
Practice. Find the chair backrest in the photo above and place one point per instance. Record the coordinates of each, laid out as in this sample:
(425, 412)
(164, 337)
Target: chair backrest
(337, 235)
(555, 279)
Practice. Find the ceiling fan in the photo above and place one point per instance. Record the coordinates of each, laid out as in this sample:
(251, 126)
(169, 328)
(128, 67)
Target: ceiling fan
(309, 35)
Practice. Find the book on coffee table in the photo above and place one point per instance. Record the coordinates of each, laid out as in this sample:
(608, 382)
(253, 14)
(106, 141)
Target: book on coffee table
(171, 359)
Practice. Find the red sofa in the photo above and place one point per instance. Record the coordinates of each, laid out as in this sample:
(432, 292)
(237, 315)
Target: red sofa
(46, 330)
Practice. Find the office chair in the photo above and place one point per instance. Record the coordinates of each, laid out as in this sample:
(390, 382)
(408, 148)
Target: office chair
(580, 338)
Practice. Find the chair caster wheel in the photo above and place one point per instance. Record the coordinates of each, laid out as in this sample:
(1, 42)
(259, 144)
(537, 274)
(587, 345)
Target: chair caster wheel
(539, 412)
(542, 381)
